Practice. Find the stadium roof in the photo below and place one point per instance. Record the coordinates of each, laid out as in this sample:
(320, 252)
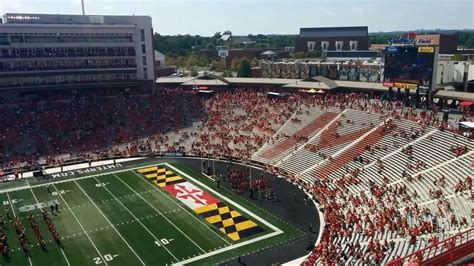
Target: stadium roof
(359, 31)
(173, 80)
(318, 82)
(455, 95)
(204, 82)
(308, 85)
(361, 85)
(260, 81)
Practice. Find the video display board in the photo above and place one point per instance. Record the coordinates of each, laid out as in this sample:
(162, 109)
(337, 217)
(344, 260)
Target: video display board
(409, 67)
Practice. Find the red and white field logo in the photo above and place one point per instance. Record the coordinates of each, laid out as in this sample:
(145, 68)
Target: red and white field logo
(190, 195)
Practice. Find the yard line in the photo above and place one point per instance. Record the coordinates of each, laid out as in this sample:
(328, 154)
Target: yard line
(82, 227)
(93, 203)
(166, 218)
(14, 215)
(136, 219)
(62, 251)
(179, 205)
(11, 204)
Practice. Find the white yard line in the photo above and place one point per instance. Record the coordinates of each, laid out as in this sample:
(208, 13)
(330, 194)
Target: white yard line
(136, 219)
(37, 201)
(11, 204)
(179, 205)
(82, 227)
(277, 231)
(77, 184)
(14, 215)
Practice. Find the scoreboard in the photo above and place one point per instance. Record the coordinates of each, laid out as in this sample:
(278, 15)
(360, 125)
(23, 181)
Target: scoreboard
(409, 67)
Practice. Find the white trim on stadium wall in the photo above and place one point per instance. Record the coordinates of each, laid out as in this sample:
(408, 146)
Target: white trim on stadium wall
(86, 170)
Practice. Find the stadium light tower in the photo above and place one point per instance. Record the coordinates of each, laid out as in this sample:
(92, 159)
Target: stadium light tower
(83, 10)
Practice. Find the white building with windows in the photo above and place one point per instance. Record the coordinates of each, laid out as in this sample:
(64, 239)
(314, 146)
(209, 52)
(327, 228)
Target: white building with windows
(42, 50)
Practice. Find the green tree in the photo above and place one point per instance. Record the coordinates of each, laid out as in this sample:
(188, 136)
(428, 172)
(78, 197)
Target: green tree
(234, 65)
(217, 35)
(254, 62)
(194, 73)
(227, 73)
(313, 54)
(457, 57)
(298, 55)
(210, 46)
(191, 61)
(244, 68)
(216, 65)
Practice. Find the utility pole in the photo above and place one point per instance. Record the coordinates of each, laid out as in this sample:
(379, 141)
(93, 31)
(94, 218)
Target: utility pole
(83, 10)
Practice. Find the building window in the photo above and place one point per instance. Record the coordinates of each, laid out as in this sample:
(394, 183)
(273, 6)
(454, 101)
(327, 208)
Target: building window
(142, 34)
(311, 46)
(143, 49)
(353, 45)
(324, 46)
(145, 73)
(144, 60)
(339, 45)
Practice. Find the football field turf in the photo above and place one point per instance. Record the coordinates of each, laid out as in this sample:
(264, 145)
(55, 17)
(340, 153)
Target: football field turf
(147, 215)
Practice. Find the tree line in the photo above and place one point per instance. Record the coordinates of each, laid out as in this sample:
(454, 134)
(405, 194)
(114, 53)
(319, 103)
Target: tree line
(187, 51)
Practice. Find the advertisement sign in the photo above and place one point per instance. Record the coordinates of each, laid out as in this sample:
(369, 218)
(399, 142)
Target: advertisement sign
(428, 39)
(405, 86)
(425, 49)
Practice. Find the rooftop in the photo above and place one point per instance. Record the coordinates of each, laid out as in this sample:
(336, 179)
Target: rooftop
(358, 31)
(26, 18)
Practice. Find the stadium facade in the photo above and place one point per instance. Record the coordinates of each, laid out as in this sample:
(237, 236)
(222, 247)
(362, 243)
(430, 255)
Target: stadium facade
(69, 51)
(336, 42)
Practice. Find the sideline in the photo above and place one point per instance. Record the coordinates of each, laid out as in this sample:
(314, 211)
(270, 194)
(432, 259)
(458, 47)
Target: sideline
(322, 223)
(277, 231)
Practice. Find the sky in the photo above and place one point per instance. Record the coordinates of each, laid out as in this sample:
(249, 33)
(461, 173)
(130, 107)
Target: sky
(242, 17)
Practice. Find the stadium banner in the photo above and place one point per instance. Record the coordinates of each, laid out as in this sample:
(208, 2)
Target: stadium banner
(223, 217)
(408, 86)
(425, 49)
(87, 170)
(173, 154)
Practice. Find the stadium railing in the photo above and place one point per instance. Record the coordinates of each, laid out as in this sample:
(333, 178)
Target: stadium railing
(441, 253)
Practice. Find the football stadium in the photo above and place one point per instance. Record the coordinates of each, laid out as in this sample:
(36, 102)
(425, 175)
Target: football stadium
(360, 155)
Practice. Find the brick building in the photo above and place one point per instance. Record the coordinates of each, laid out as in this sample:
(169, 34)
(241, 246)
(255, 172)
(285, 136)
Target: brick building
(332, 39)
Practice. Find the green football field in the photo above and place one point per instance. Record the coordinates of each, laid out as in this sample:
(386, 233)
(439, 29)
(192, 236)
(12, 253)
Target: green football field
(124, 218)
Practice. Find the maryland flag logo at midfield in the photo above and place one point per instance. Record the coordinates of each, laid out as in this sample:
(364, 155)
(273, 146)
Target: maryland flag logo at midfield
(227, 220)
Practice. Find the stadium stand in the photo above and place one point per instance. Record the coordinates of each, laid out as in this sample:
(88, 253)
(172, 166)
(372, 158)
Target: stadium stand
(389, 180)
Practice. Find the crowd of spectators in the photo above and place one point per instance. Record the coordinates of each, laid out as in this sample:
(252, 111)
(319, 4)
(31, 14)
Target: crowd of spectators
(388, 209)
(241, 121)
(258, 187)
(235, 123)
(120, 123)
